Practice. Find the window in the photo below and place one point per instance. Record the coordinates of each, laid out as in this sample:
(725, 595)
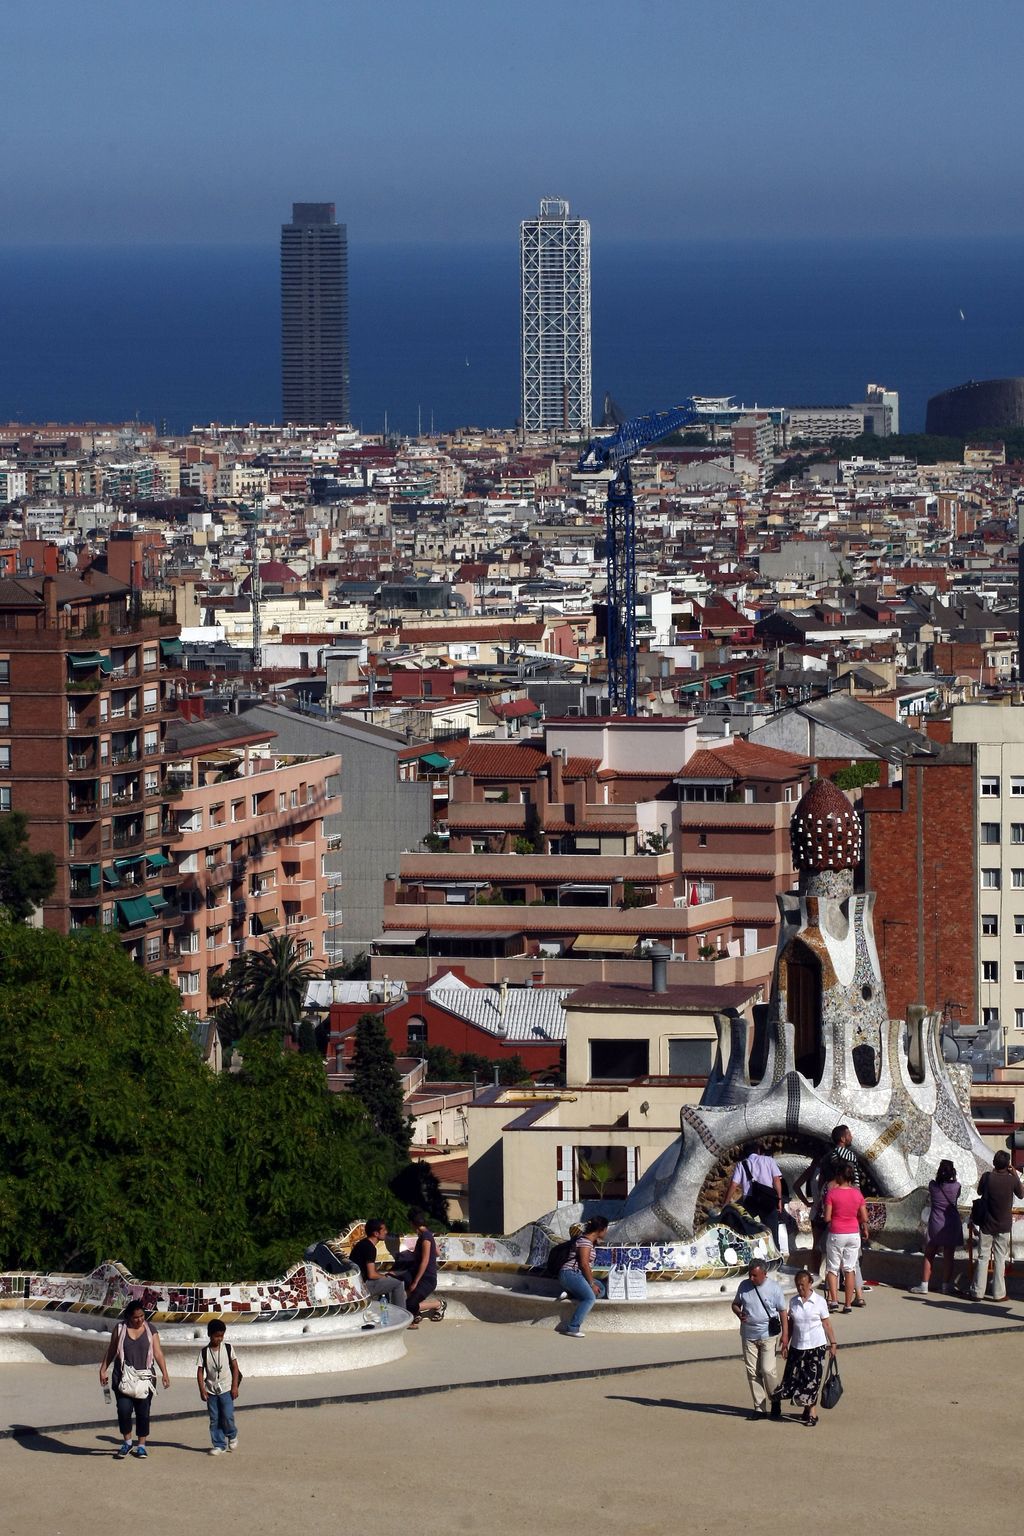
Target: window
(1017, 832)
(702, 840)
(188, 983)
(151, 700)
(1018, 970)
(989, 925)
(282, 800)
(1016, 784)
(1018, 925)
(690, 1058)
(189, 944)
(5, 671)
(238, 810)
(989, 788)
(990, 832)
(293, 799)
(617, 1060)
(990, 970)
(153, 948)
(152, 823)
(211, 941)
(417, 1030)
(601, 1173)
(1017, 879)
(152, 742)
(5, 757)
(990, 879)
(255, 805)
(787, 794)
(152, 782)
(1018, 1018)
(5, 797)
(5, 716)
(990, 1018)
(149, 658)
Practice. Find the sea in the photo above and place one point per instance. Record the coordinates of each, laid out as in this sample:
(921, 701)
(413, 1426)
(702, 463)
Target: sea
(189, 334)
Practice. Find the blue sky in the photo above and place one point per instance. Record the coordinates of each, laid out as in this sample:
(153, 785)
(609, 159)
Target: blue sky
(201, 120)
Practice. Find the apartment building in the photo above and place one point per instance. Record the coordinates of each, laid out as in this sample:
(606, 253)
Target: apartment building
(87, 683)
(249, 848)
(996, 818)
(569, 854)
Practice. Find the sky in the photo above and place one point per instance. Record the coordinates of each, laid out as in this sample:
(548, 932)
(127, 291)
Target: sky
(200, 121)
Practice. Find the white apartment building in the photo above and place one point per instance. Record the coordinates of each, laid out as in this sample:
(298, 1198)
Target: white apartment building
(997, 732)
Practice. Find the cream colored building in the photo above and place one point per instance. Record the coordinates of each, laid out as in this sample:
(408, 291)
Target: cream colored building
(997, 732)
(633, 1058)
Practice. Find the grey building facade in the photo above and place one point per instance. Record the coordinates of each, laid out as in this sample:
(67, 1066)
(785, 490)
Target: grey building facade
(380, 818)
(314, 317)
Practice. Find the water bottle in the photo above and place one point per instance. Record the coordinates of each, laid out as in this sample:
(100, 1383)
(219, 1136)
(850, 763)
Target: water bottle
(384, 1310)
(106, 1394)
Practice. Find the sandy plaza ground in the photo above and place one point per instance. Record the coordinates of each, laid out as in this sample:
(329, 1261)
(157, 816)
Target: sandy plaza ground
(645, 1434)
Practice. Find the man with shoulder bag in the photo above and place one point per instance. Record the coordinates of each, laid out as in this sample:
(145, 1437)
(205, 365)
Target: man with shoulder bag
(764, 1324)
(992, 1217)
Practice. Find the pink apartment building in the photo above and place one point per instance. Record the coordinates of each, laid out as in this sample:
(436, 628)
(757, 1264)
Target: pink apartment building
(250, 848)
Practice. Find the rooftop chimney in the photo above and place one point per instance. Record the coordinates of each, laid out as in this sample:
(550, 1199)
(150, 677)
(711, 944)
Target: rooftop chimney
(659, 957)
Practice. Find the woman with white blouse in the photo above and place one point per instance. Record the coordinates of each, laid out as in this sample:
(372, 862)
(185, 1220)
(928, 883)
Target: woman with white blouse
(810, 1340)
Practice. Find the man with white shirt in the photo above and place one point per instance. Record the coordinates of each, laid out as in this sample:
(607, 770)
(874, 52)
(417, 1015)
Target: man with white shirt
(761, 1308)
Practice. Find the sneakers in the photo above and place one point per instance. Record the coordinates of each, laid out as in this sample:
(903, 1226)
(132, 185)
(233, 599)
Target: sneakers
(233, 1444)
(141, 1452)
(123, 1451)
(574, 1333)
(919, 1290)
(217, 1450)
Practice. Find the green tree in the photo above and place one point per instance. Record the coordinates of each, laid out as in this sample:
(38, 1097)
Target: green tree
(109, 1141)
(307, 1038)
(275, 982)
(377, 1085)
(303, 1161)
(26, 878)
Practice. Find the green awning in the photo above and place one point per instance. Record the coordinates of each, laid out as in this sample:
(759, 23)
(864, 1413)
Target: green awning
(171, 647)
(92, 870)
(435, 760)
(718, 682)
(157, 860)
(139, 910)
(106, 665)
(87, 659)
(112, 877)
(130, 862)
(157, 900)
(691, 688)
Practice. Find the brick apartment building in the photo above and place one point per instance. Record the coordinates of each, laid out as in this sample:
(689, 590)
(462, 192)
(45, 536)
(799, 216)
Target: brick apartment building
(87, 684)
(919, 859)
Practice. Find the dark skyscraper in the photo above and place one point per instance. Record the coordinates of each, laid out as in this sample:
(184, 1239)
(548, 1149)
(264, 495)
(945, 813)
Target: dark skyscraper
(314, 316)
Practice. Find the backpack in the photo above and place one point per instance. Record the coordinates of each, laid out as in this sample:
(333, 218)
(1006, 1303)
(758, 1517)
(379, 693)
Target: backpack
(760, 1199)
(204, 1352)
(558, 1255)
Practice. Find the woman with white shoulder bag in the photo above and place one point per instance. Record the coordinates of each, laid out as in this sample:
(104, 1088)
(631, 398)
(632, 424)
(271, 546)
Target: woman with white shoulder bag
(135, 1352)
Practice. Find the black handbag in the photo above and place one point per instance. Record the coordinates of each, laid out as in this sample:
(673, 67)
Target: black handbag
(774, 1320)
(832, 1390)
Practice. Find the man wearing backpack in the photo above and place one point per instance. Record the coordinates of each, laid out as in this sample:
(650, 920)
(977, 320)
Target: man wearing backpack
(757, 1184)
(219, 1379)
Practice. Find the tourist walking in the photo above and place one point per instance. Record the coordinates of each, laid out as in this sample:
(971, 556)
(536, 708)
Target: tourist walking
(945, 1231)
(422, 1273)
(577, 1274)
(810, 1341)
(996, 1191)
(135, 1353)
(219, 1378)
(764, 1324)
(846, 1213)
(364, 1253)
(757, 1184)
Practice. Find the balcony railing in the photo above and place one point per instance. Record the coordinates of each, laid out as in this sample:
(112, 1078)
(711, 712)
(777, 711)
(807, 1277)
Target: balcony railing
(79, 807)
(126, 839)
(125, 755)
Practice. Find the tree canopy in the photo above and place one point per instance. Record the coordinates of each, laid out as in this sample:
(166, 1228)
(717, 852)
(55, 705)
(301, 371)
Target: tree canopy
(26, 878)
(116, 1141)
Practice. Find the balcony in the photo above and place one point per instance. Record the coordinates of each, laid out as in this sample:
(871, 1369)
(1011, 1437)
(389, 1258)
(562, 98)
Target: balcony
(169, 831)
(129, 837)
(83, 805)
(82, 762)
(126, 797)
(125, 755)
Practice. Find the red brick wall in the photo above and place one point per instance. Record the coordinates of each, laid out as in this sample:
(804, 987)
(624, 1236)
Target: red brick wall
(920, 862)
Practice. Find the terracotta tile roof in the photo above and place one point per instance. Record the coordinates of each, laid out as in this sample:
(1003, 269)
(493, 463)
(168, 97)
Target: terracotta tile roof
(740, 760)
(515, 709)
(580, 767)
(502, 759)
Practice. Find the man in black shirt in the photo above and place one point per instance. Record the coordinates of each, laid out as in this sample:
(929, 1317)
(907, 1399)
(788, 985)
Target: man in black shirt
(997, 1191)
(364, 1253)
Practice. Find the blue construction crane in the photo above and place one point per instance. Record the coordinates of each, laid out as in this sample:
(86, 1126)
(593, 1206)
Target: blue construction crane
(614, 452)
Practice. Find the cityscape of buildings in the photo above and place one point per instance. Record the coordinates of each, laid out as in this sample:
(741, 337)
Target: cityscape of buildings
(352, 688)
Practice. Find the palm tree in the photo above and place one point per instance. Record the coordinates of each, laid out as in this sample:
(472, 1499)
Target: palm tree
(275, 983)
